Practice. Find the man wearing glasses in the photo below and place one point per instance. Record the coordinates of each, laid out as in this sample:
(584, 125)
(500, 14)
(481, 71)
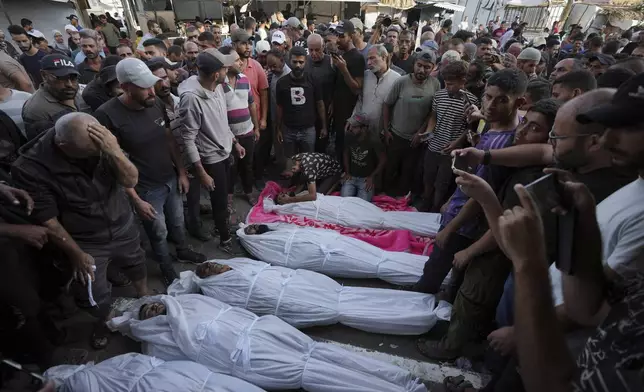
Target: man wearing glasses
(57, 95)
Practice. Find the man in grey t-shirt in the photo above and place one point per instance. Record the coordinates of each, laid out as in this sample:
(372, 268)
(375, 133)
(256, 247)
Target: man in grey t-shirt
(405, 112)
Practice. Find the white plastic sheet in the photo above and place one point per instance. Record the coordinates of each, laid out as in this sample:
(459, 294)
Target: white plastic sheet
(355, 212)
(140, 373)
(264, 351)
(331, 253)
(306, 298)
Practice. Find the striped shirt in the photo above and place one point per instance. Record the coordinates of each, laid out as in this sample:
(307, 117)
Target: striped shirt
(494, 175)
(238, 101)
(12, 106)
(450, 119)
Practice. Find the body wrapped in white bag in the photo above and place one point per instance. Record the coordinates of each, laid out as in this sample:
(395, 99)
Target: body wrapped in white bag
(264, 351)
(358, 213)
(140, 373)
(306, 298)
(331, 253)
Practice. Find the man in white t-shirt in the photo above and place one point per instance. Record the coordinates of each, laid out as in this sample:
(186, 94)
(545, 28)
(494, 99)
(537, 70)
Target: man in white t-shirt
(621, 215)
(11, 102)
(464, 24)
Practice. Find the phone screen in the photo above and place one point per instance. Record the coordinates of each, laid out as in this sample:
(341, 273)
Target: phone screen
(460, 163)
(545, 192)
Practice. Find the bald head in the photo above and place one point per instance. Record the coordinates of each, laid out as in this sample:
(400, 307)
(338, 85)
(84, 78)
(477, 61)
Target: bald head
(581, 104)
(72, 135)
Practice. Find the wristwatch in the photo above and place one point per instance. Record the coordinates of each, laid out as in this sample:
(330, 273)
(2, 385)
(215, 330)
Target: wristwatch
(487, 157)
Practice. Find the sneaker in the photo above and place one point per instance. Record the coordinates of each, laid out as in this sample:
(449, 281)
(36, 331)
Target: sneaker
(187, 255)
(168, 274)
(226, 246)
(199, 233)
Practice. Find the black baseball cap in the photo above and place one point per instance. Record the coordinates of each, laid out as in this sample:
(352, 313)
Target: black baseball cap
(107, 75)
(604, 59)
(345, 26)
(72, 16)
(624, 110)
(58, 64)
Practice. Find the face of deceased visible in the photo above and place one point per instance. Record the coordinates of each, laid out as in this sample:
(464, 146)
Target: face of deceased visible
(152, 309)
(211, 268)
(256, 229)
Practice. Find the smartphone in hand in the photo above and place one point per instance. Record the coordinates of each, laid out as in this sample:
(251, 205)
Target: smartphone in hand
(546, 192)
(461, 163)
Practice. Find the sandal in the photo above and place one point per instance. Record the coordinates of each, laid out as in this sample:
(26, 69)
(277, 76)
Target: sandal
(100, 337)
(458, 384)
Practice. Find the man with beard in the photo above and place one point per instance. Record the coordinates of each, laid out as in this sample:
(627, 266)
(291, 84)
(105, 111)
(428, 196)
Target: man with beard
(242, 120)
(319, 66)
(90, 67)
(527, 62)
(105, 86)
(208, 140)
(139, 121)
(241, 42)
(31, 56)
(57, 95)
(348, 82)
(564, 66)
(405, 113)
(154, 47)
(573, 84)
(378, 79)
(124, 51)
(191, 50)
(403, 59)
(299, 100)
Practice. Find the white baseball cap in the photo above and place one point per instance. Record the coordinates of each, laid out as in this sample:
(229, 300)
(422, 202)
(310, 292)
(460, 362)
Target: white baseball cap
(262, 46)
(132, 70)
(278, 37)
(70, 28)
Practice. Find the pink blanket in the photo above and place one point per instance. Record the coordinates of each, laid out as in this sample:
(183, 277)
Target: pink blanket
(391, 240)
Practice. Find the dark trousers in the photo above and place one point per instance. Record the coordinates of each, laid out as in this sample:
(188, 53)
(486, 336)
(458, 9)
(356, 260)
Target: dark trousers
(401, 166)
(220, 173)
(245, 166)
(438, 178)
(475, 306)
(439, 264)
(339, 121)
(263, 152)
(24, 329)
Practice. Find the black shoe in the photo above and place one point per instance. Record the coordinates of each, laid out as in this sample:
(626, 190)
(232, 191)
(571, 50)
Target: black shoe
(199, 233)
(168, 274)
(187, 255)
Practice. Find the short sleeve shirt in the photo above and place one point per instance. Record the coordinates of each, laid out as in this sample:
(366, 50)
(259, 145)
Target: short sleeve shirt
(142, 134)
(8, 68)
(258, 82)
(32, 66)
(450, 118)
(411, 103)
(317, 166)
(364, 156)
(344, 100)
(297, 98)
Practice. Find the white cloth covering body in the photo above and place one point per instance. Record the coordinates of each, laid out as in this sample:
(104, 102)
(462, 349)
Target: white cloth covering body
(264, 351)
(135, 372)
(331, 253)
(306, 298)
(358, 213)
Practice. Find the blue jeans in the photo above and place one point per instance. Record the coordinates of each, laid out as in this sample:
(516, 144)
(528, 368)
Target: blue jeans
(168, 203)
(505, 308)
(355, 186)
(298, 140)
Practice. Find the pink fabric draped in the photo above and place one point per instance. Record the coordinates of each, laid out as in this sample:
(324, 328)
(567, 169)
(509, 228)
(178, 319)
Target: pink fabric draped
(390, 240)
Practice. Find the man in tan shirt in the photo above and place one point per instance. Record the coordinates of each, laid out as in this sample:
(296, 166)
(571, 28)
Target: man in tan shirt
(13, 74)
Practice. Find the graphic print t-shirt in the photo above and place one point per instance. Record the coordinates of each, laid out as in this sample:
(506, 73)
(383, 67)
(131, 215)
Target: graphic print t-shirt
(317, 166)
(298, 98)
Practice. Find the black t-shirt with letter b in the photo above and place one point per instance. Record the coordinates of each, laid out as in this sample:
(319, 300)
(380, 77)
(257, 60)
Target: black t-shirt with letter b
(298, 98)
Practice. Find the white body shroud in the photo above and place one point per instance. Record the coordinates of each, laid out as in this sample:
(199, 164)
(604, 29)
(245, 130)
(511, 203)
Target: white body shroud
(331, 253)
(358, 213)
(306, 298)
(135, 372)
(264, 351)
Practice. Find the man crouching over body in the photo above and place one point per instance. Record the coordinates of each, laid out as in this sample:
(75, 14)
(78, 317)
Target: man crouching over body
(76, 174)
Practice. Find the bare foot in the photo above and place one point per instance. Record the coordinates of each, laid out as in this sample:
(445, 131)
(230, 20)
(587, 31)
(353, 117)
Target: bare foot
(503, 340)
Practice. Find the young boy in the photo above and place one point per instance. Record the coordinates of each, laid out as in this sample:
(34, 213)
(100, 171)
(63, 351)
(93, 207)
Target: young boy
(364, 157)
(448, 127)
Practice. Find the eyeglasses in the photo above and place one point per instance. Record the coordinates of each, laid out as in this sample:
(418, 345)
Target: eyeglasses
(553, 136)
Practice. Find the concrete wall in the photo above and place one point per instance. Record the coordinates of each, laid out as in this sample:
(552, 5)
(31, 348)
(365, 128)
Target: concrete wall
(47, 15)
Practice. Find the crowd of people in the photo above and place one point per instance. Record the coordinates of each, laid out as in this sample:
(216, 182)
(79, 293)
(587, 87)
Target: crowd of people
(99, 133)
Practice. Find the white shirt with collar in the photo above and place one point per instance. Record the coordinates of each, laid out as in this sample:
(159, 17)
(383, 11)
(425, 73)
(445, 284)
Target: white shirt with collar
(374, 93)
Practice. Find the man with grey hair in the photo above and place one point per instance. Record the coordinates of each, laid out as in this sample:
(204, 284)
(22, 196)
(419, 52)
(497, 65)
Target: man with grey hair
(565, 66)
(378, 79)
(76, 173)
(319, 66)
